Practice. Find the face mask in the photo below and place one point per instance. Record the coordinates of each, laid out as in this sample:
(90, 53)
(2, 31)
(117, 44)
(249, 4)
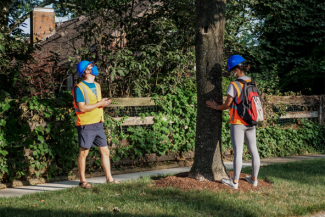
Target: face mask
(94, 71)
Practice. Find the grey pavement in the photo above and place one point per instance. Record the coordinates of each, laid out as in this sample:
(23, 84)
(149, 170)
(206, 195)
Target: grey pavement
(11, 192)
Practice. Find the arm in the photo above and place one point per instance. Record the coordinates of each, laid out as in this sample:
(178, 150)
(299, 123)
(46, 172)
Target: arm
(87, 108)
(225, 106)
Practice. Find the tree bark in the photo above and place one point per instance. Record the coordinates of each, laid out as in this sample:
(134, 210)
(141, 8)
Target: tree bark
(210, 27)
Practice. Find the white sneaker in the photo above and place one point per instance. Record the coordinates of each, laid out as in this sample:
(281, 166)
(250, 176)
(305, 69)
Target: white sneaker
(250, 180)
(230, 183)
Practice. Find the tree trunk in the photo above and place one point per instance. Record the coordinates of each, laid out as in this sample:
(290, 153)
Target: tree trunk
(210, 26)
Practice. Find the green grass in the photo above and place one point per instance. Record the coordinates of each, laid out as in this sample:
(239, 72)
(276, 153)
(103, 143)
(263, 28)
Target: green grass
(299, 189)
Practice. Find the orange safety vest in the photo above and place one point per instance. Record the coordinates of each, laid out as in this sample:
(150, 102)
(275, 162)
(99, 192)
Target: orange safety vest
(234, 117)
(94, 116)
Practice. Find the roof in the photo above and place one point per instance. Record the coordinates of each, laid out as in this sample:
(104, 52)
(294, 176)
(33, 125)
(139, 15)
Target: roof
(66, 38)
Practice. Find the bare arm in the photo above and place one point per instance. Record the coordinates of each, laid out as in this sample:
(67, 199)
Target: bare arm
(87, 108)
(225, 106)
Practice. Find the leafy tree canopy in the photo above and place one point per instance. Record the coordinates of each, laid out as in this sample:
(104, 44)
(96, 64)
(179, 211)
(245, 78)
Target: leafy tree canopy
(291, 36)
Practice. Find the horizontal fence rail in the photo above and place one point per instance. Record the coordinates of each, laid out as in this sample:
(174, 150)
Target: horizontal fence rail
(144, 101)
(138, 120)
(303, 114)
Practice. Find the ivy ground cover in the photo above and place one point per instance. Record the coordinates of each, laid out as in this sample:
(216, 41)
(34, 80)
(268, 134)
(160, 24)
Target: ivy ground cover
(298, 189)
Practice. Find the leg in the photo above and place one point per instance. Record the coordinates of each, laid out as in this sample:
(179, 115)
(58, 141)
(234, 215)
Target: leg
(104, 152)
(101, 142)
(237, 140)
(83, 153)
(250, 139)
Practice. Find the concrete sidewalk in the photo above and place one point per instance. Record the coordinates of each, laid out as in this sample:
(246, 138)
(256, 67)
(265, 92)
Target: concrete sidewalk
(11, 192)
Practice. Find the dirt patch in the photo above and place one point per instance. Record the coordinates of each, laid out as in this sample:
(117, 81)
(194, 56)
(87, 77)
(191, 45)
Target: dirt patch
(183, 182)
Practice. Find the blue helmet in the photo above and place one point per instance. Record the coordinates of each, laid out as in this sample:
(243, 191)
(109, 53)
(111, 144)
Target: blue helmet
(233, 61)
(82, 65)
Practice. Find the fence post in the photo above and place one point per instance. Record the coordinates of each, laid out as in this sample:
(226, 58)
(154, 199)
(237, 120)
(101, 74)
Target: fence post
(321, 101)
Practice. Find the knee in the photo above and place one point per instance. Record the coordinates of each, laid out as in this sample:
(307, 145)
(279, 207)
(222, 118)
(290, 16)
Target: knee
(255, 154)
(83, 153)
(105, 153)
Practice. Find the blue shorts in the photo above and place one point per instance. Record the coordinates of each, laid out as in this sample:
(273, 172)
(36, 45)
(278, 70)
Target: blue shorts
(91, 135)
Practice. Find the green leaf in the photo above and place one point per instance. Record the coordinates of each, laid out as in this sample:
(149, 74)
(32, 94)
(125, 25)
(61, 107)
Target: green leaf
(6, 107)
(2, 48)
(3, 152)
(40, 138)
(2, 122)
(47, 114)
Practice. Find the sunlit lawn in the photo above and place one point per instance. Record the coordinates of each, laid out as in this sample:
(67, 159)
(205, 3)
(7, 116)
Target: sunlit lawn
(299, 189)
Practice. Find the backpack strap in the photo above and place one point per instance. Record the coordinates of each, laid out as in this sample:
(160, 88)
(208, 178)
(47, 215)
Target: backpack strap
(245, 82)
(245, 87)
(252, 81)
(241, 80)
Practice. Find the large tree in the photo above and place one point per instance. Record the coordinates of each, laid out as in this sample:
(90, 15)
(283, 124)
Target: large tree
(210, 28)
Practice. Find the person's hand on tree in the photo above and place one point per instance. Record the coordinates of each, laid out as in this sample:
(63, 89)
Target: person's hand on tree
(211, 104)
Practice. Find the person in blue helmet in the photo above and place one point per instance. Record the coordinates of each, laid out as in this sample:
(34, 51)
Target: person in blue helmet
(240, 131)
(88, 104)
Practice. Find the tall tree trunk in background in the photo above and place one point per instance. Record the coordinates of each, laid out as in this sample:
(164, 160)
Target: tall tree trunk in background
(210, 27)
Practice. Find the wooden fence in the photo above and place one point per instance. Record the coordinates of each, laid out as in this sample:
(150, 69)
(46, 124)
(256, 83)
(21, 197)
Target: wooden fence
(306, 101)
(126, 102)
(316, 103)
